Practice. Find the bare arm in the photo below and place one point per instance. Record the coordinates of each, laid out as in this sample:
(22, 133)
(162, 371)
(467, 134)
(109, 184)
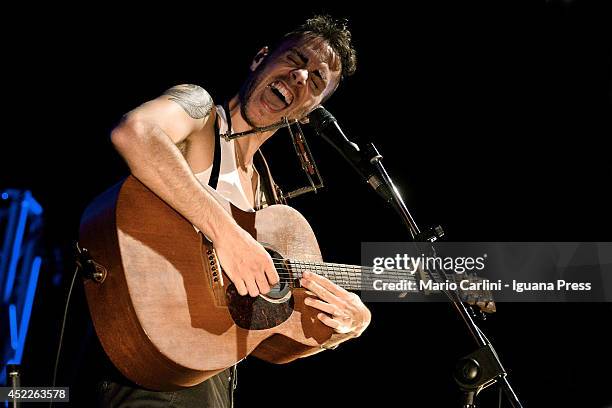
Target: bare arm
(147, 139)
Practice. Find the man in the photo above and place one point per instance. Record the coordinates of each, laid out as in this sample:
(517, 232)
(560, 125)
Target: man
(169, 145)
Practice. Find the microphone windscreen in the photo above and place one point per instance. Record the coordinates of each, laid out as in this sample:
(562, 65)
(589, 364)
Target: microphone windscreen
(320, 118)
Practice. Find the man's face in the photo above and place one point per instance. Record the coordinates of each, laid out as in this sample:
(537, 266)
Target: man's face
(290, 82)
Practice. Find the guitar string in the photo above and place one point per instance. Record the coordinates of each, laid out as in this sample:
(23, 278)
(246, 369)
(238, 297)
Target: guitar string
(350, 275)
(298, 273)
(350, 285)
(317, 263)
(290, 274)
(295, 272)
(342, 272)
(347, 275)
(349, 282)
(331, 266)
(341, 268)
(350, 271)
(327, 265)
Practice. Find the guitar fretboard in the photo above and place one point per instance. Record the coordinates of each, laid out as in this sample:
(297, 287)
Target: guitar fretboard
(350, 277)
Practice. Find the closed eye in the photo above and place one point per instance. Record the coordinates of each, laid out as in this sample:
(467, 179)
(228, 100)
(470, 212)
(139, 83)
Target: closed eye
(320, 79)
(298, 59)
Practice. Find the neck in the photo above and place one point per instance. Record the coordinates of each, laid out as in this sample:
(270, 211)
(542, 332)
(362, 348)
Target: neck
(247, 145)
(350, 277)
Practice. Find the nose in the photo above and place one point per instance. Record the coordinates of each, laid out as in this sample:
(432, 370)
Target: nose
(299, 76)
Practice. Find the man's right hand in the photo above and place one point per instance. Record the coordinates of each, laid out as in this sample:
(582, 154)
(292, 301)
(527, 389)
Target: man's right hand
(245, 262)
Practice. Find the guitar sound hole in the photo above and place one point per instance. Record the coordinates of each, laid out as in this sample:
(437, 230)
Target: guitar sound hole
(264, 311)
(283, 287)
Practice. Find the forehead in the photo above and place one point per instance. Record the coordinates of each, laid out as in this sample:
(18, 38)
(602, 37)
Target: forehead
(313, 46)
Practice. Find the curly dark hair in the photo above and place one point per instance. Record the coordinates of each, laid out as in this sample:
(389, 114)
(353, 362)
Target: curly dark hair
(337, 35)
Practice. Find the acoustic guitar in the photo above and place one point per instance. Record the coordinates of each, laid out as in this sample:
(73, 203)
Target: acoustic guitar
(165, 312)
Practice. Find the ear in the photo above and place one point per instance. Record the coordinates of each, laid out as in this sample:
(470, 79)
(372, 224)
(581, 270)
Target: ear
(259, 58)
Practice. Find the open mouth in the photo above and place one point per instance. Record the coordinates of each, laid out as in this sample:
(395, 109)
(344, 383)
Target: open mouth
(282, 92)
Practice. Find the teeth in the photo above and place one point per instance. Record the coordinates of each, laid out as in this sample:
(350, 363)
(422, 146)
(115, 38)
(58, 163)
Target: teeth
(280, 87)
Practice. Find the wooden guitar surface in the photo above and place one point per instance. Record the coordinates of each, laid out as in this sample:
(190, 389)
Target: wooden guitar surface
(165, 315)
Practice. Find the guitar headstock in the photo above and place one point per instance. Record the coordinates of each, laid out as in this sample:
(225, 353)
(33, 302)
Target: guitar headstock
(482, 299)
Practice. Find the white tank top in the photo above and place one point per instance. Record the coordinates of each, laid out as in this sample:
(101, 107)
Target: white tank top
(229, 185)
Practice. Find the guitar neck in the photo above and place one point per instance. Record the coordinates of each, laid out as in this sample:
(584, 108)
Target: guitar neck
(350, 277)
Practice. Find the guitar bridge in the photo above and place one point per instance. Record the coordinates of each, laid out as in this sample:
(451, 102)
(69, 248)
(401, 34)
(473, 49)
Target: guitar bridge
(216, 276)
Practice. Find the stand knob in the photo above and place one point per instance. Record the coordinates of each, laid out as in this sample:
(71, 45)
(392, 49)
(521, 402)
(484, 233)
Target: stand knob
(467, 371)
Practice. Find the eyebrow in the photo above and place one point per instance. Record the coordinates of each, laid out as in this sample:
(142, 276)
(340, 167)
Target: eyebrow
(305, 60)
(299, 54)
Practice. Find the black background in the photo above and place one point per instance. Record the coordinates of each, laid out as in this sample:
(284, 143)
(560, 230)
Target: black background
(493, 118)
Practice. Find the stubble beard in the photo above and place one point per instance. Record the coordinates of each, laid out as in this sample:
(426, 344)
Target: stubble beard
(245, 94)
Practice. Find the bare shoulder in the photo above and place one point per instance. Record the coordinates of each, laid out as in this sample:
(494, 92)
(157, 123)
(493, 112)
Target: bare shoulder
(194, 99)
(196, 104)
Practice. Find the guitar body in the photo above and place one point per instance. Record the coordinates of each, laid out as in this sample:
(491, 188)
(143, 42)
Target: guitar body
(165, 313)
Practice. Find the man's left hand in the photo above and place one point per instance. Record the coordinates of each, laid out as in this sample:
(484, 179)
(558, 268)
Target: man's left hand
(343, 311)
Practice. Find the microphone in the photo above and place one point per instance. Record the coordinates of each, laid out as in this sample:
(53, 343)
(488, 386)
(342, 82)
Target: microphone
(326, 126)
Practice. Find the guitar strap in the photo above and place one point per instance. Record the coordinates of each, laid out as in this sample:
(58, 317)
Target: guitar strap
(216, 167)
(272, 193)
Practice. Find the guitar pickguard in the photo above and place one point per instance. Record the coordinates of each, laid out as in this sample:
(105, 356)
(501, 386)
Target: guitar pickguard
(257, 313)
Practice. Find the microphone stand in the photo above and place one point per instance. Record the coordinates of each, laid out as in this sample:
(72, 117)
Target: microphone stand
(482, 368)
